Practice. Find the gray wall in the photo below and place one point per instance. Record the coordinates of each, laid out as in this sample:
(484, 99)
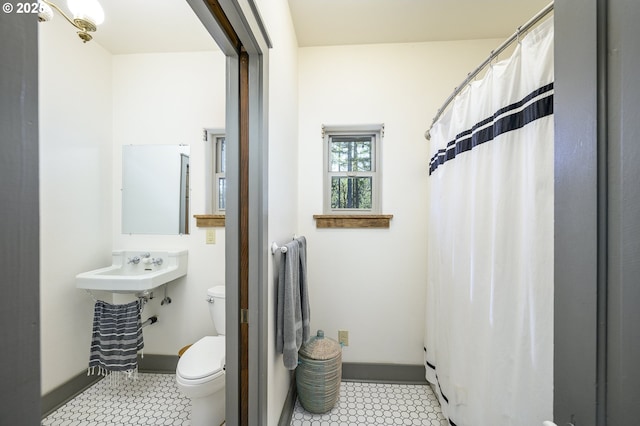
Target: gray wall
(597, 214)
(576, 217)
(623, 131)
(19, 248)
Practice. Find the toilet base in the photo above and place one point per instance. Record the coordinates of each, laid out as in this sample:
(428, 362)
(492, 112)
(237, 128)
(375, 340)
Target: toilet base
(208, 411)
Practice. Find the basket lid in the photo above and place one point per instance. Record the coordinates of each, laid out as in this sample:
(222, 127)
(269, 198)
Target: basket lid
(320, 347)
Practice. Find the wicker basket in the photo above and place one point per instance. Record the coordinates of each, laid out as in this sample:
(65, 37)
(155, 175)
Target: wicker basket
(319, 373)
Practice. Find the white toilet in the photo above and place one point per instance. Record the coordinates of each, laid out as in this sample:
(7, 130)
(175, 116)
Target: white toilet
(200, 373)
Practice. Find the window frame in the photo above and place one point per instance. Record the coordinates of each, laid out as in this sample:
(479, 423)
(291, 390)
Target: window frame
(376, 132)
(213, 170)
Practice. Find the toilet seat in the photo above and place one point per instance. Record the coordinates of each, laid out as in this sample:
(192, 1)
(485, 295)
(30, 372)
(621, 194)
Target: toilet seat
(203, 361)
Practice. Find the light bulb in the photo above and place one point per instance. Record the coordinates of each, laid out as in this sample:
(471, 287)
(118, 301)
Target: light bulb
(45, 13)
(87, 9)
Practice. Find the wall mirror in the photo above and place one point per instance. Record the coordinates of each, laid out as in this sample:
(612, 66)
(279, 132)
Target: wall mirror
(155, 189)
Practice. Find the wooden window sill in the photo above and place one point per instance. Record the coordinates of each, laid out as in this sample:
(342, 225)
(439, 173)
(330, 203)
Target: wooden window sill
(352, 220)
(209, 220)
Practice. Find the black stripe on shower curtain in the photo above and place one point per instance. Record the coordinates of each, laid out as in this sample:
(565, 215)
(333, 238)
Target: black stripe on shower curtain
(433, 367)
(484, 131)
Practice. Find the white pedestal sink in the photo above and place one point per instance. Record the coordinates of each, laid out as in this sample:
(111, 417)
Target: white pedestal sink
(135, 271)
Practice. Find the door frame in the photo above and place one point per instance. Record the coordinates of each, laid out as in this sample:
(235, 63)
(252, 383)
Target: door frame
(241, 29)
(20, 225)
(597, 226)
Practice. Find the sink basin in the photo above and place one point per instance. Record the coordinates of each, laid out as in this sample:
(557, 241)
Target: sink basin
(135, 271)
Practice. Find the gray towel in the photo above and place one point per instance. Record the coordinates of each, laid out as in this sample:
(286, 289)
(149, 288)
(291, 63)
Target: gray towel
(292, 316)
(116, 338)
(304, 291)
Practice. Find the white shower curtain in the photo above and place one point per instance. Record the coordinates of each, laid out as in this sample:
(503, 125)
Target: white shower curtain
(489, 312)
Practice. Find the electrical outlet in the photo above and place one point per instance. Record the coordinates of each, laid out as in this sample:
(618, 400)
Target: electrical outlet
(211, 236)
(343, 337)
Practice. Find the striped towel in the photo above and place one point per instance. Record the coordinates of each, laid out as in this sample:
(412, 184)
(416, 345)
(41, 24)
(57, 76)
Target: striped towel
(116, 338)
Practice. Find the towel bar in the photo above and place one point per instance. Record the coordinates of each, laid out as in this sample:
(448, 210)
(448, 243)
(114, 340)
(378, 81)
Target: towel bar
(275, 247)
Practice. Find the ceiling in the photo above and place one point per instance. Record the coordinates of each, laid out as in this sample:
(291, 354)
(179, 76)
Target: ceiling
(171, 25)
(151, 26)
(339, 22)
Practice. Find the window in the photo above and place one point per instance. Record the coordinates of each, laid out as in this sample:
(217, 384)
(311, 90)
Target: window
(352, 169)
(219, 178)
(216, 183)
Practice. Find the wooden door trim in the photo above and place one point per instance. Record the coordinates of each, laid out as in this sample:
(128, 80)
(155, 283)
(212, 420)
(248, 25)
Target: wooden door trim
(244, 237)
(225, 24)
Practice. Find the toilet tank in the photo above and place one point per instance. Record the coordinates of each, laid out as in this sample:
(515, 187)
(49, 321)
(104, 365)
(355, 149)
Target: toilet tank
(216, 307)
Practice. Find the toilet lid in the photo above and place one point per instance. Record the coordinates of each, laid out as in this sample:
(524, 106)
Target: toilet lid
(204, 358)
(217, 291)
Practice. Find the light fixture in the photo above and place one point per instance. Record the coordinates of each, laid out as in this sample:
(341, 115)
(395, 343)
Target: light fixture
(87, 15)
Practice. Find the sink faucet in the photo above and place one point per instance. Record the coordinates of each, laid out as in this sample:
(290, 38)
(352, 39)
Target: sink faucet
(135, 260)
(152, 260)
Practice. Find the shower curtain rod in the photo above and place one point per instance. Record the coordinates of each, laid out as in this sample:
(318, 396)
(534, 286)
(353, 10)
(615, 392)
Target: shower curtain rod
(515, 36)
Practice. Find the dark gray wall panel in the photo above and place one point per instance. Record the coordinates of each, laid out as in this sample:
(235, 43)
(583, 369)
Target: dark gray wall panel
(575, 320)
(19, 238)
(597, 241)
(623, 321)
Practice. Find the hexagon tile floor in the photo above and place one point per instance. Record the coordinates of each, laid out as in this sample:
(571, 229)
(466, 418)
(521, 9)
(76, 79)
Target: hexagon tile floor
(366, 404)
(154, 399)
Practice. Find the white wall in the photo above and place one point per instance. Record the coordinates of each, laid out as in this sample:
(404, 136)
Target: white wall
(366, 281)
(168, 98)
(283, 159)
(75, 192)
(87, 113)
(371, 282)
